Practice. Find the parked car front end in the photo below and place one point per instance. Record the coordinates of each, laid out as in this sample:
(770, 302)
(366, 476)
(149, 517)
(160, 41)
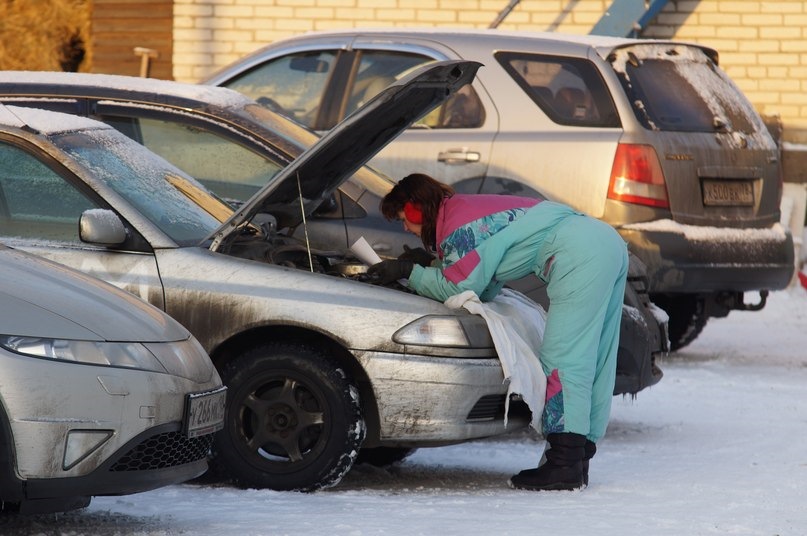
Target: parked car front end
(99, 391)
(428, 369)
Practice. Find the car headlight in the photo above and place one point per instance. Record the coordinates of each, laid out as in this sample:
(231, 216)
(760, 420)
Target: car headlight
(186, 359)
(115, 354)
(463, 331)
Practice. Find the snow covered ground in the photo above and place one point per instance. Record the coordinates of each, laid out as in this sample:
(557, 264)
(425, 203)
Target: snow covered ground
(719, 446)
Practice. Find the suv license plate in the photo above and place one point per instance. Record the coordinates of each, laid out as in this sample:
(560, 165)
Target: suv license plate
(728, 193)
(204, 412)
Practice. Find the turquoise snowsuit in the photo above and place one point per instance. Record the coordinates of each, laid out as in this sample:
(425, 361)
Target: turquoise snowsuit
(483, 241)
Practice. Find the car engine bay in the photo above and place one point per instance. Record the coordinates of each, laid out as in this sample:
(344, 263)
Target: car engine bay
(281, 250)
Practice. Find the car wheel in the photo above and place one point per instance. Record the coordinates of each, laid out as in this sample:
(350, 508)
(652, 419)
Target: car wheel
(383, 456)
(293, 419)
(687, 317)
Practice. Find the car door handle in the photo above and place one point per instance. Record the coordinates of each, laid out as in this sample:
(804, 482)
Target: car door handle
(458, 156)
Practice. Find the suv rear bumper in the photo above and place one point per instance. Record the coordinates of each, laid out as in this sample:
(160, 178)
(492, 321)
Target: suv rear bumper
(692, 259)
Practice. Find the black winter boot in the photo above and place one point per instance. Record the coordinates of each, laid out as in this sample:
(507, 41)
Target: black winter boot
(590, 449)
(563, 469)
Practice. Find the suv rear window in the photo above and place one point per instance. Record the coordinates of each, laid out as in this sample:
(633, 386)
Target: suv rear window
(569, 90)
(679, 88)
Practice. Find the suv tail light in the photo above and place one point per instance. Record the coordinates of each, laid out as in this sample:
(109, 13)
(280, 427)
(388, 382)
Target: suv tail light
(636, 176)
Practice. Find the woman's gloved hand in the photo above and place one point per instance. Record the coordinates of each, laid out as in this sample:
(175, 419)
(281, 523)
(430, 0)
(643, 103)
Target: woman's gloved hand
(386, 272)
(417, 255)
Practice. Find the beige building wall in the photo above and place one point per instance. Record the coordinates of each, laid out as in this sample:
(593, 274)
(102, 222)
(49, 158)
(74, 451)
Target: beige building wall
(762, 45)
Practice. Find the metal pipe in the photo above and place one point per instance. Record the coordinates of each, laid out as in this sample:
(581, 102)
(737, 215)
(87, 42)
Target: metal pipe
(503, 14)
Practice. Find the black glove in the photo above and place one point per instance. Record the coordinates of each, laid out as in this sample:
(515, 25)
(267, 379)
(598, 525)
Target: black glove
(417, 255)
(388, 271)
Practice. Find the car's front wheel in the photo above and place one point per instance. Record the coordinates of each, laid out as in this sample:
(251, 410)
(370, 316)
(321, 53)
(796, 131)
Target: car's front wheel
(293, 419)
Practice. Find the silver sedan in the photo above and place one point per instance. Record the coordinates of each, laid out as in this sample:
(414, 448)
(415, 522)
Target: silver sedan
(318, 362)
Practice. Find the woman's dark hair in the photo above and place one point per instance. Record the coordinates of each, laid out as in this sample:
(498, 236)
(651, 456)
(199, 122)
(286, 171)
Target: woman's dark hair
(425, 193)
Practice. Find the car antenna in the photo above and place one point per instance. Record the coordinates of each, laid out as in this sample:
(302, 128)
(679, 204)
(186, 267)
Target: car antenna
(17, 119)
(305, 224)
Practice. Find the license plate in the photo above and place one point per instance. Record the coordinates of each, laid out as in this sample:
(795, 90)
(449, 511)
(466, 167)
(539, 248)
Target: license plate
(204, 412)
(728, 193)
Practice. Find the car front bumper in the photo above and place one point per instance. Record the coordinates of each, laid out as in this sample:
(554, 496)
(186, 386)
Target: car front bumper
(95, 431)
(431, 401)
(642, 340)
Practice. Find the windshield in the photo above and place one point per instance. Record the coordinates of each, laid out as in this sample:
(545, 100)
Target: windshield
(150, 184)
(365, 179)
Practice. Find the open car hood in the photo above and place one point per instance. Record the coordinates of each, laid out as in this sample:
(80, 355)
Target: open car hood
(314, 176)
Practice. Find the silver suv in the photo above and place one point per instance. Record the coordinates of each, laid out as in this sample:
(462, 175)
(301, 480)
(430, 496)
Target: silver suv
(650, 136)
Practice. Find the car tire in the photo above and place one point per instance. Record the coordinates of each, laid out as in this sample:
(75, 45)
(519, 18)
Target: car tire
(293, 420)
(687, 314)
(384, 456)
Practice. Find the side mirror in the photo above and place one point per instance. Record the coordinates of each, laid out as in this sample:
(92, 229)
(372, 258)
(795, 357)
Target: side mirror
(101, 226)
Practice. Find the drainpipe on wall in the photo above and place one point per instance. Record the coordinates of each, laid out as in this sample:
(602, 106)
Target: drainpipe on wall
(503, 14)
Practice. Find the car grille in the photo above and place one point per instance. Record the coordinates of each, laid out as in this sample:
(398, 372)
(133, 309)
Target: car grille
(168, 449)
(487, 408)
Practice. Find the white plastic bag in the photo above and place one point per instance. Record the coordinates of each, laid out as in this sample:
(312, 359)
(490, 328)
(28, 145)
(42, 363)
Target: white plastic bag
(517, 325)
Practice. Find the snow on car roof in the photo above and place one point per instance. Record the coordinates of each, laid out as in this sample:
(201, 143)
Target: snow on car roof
(45, 121)
(9, 118)
(211, 94)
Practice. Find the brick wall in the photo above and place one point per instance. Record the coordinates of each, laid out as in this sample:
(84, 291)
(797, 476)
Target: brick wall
(762, 45)
(211, 33)
(118, 26)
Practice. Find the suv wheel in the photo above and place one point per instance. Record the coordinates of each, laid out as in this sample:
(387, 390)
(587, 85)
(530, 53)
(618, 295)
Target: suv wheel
(687, 314)
(293, 419)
